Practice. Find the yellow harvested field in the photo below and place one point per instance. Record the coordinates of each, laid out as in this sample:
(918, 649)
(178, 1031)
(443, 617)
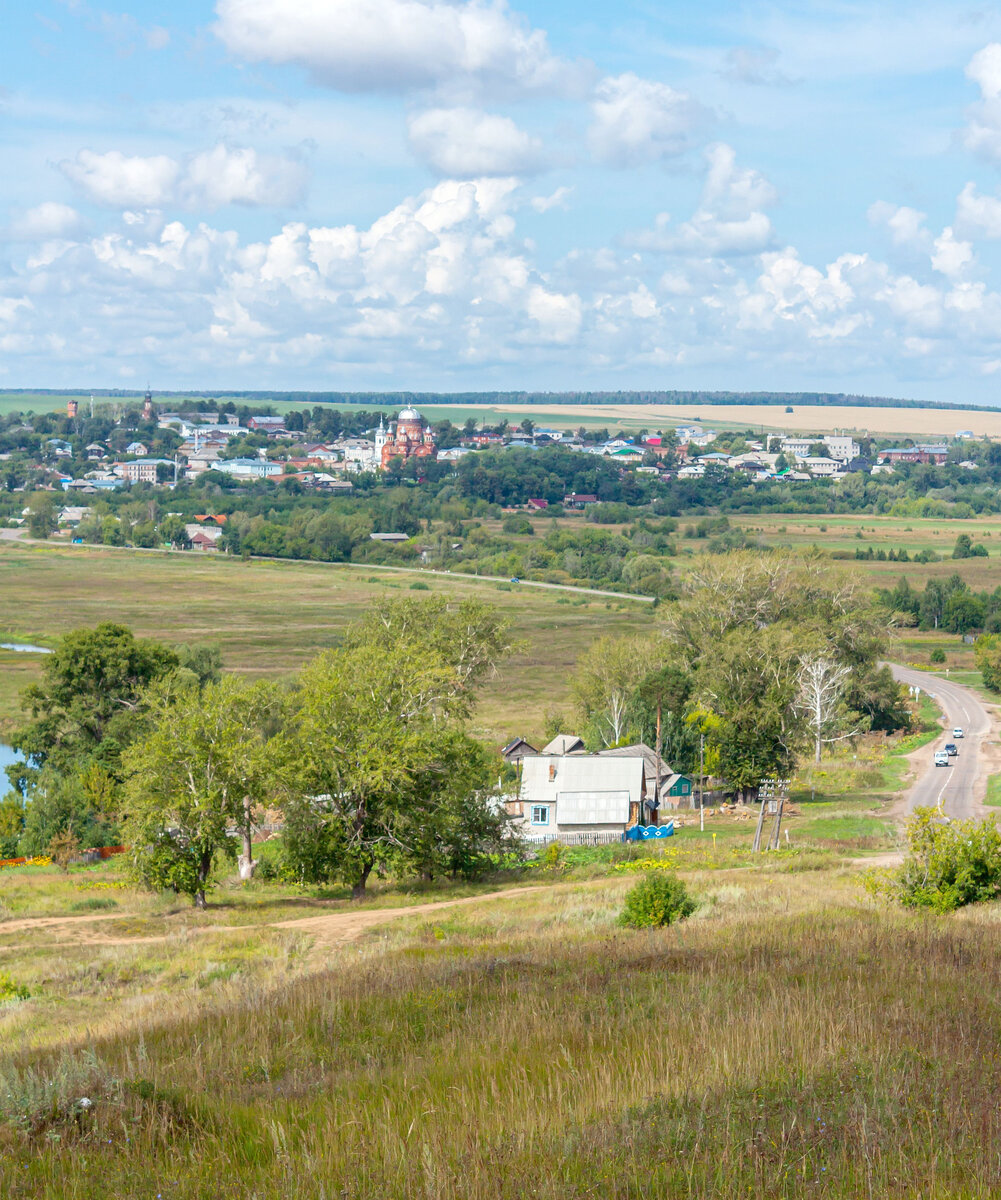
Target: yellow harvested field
(912, 422)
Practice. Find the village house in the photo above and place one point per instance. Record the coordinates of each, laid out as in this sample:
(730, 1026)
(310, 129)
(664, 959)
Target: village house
(272, 426)
(820, 467)
(579, 794)
(565, 743)
(664, 788)
(137, 448)
(203, 536)
(517, 749)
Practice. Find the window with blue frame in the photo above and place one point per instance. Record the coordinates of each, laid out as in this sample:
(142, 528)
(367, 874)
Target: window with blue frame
(540, 814)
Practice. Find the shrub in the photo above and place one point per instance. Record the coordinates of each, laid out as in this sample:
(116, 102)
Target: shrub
(33, 1100)
(987, 655)
(9, 990)
(937, 655)
(419, 587)
(948, 865)
(658, 899)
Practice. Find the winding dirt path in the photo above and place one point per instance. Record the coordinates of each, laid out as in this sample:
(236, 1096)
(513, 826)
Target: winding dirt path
(327, 930)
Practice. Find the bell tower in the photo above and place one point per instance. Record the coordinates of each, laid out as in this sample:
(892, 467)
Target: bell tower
(148, 405)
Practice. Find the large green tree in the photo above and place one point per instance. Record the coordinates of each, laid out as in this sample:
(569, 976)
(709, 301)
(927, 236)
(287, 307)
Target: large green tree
(89, 694)
(374, 746)
(748, 626)
(203, 766)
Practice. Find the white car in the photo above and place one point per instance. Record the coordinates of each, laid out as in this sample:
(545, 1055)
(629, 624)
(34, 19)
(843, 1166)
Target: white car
(957, 732)
(941, 758)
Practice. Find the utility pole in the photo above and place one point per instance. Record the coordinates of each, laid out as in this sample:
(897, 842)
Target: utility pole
(660, 769)
(782, 788)
(764, 790)
(702, 783)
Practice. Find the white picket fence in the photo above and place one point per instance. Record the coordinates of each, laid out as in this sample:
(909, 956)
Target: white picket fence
(602, 838)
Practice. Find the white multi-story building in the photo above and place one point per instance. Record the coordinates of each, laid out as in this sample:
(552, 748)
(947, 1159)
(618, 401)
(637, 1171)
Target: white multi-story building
(842, 447)
(249, 468)
(798, 447)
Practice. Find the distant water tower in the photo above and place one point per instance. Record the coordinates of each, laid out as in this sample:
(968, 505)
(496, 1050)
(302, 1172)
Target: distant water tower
(148, 405)
(71, 408)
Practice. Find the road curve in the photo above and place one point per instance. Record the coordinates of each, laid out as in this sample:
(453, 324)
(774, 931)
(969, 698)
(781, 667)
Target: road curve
(951, 788)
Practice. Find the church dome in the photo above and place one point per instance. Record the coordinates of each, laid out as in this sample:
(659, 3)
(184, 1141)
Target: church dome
(409, 414)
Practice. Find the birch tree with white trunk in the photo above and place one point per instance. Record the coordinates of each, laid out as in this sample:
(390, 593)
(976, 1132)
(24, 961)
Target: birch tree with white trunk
(821, 690)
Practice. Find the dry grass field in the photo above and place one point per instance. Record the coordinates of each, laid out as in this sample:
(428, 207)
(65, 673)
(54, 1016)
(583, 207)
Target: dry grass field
(270, 617)
(910, 422)
(789, 1040)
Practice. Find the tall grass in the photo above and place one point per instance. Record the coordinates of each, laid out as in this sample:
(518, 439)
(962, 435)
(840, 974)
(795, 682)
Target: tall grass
(786, 1041)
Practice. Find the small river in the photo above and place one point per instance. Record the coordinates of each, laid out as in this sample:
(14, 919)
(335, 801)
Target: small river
(24, 648)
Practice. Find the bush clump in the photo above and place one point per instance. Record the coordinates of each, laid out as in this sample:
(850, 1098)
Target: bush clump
(658, 899)
(937, 655)
(9, 990)
(949, 864)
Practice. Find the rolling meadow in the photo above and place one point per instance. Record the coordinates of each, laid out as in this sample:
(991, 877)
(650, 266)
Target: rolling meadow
(508, 1037)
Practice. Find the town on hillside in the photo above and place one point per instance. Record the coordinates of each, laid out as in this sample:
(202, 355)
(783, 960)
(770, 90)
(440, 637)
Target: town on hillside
(334, 453)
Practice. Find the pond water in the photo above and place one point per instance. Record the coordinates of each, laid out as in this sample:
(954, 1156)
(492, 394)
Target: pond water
(24, 648)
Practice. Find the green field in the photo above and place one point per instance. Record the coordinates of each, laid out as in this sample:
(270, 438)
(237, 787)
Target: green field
(270, 617)
(485, 413)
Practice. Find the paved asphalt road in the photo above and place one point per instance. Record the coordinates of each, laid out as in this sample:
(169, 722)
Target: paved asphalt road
(951, 787)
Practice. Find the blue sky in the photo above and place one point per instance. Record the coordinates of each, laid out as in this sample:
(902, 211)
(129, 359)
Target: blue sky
(455, 194)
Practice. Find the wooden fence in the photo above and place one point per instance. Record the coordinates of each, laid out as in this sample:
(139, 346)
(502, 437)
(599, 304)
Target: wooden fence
(602, 838)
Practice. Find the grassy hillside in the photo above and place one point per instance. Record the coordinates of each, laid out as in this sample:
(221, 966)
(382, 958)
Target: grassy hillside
(789, 1040)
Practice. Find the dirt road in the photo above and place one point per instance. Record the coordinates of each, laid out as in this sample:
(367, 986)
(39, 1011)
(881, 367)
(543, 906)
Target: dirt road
(326, 930)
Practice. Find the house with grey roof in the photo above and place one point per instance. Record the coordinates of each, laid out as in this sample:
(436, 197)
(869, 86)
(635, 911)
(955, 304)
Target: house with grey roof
(579, 793)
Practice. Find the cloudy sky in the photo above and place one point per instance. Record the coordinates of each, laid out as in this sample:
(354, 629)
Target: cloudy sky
(459, 194)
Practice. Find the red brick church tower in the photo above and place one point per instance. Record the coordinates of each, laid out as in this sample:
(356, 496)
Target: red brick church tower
(407, 437)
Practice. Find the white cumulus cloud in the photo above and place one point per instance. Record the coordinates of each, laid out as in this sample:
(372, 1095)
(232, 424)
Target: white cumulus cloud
(123, 181)
(557, 199)
(211, 179)
(982, 134)
(392, 45)
(978, 213)
(48, 220)
(729, 219)
(222, 176)
(636, 121)
(951, 256)
(906, 226)
(465, 143)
